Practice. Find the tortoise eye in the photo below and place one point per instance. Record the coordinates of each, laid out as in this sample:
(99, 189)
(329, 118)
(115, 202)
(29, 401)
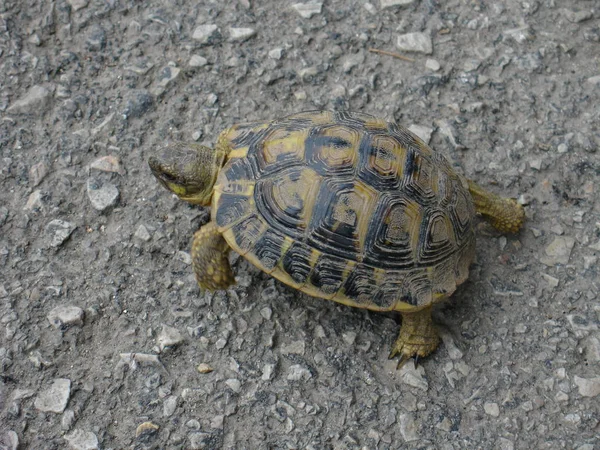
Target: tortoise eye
(168, 177)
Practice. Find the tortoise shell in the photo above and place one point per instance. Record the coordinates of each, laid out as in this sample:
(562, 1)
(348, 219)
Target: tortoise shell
(346, 207)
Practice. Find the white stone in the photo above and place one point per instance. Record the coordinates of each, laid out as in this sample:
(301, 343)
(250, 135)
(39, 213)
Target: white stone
(552, 281)
(577, 16)
(267, 372)
(77, 4)
(34, 201)
(588, 387)
(108, 163)
(491, 409)
(415, 42)
(55, 398)
(34, 102)
(296, 373)
(203, 33)
(102, 196)
(307, 10)
(390, 3)
(142, 233)
(82, 440)
(432, 64)
(9, 440)
(408, 427)
(276, 53)
(197, 61)
(240, 34)
(168, 337)
(169, 406)
(65, 315)
(296, 348)
(167, 75)
(414, 376)
(59, 231)
(234, 384)
(558, 251)
(423, 132)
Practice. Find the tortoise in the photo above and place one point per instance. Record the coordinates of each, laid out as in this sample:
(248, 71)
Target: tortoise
(339, 205)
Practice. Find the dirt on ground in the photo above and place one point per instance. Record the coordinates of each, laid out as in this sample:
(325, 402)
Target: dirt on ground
(106, 342)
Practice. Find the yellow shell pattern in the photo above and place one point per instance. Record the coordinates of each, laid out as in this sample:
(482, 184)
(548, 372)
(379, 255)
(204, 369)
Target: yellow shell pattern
(347, 207)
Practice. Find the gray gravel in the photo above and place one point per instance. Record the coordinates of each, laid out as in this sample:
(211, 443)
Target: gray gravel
(108, 343)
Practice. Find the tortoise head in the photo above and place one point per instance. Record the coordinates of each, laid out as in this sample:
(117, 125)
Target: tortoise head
(188, 170)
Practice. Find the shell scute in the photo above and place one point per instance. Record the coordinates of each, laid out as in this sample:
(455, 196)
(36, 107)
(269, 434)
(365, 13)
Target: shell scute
(348, 207)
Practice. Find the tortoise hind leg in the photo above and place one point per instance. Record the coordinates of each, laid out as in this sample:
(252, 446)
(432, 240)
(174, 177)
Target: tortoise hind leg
(209, 259)
(418, 336)
(504, 214)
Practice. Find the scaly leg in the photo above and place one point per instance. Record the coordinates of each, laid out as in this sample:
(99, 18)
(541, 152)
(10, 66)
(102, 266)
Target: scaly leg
(418, 336)
(504, 214)
(209, 259)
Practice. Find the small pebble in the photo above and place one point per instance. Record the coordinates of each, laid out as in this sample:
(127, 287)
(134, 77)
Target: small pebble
(109, 163)
(65, 315)
(78, 4)
(200, 441)
(415, 42)
(55, 398)
(588, 387)
(276, 53)
(552, 281)
(137, 103)
(408, 427)
(197, 61)
(491, 409)
(102, 195)
(390, 3)
(35, 102)
(168, 337)
(370, 7)
(221, 343)
(68, 418)
(234, 384)
(59, 231)
(414, 377)
(266, 312)
(423, 132)
(353, 60)
(559, 251)
(167, 75)
(241, 34)
(432, 64)
(204, 368)
(82, 440)
(9, 440)
(146, 429)
(169, 406)
(296, 373)
(307, 10)
(267, 372)
(203, 33)
(37, 173)
(577, 16)
(295, 348)
(142, 233)
(217, 422)
(35, 201)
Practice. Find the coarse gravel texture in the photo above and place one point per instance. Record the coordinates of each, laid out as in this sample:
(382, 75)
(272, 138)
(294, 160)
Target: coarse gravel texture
(107, 342)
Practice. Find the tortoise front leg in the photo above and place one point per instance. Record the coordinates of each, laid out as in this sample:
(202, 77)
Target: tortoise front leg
(504, 214)
(209, 259)
(418, 336)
